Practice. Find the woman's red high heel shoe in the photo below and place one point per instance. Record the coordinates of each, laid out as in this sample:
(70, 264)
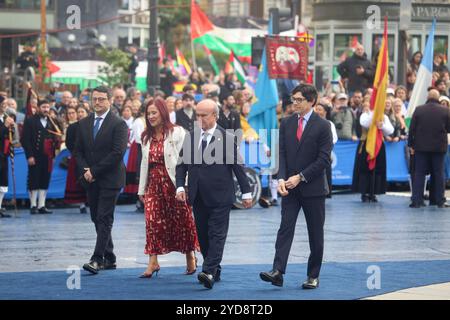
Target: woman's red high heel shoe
(149, 275)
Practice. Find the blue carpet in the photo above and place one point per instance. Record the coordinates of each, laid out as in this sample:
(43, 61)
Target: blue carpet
(343, 281)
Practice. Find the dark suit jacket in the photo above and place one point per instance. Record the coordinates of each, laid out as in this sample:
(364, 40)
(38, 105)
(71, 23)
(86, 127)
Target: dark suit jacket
(429, 127)
(311, 156)
(214, 181)
(183, 120)
(104, 156)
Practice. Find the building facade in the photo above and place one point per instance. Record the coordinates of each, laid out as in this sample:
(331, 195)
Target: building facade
(339, 24)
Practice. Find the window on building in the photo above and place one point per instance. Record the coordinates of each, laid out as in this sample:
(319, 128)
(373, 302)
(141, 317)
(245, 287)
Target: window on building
(441, 45)
(136, 37)
(376, 44)
(123, 37)
(124, 4)
(321, 74)
(344, 44)
(323, 47)
(415, 44)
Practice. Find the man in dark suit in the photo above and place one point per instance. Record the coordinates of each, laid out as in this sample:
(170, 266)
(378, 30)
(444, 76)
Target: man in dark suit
(186, 117)
(100, 146)
(305, 146)
(428, 143)
(210, 157)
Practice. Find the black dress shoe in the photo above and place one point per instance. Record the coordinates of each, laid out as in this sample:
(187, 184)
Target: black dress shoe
(274, 276)
(217, 275)
(92, 267)
(108, 265)
(444, 205)
(373, 199)
(44, 210)
(83, 210)
(274, 202)
(34, 210)
(365, 198)
(4, 215)
(416, 205)
(206, 279)
(311, 283)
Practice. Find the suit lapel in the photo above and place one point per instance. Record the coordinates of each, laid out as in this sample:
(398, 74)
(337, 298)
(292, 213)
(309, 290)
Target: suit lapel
(306, 131)
(90, 127)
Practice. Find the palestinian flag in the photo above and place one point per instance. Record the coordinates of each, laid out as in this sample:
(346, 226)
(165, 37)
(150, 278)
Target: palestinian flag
(212, 60)
(237, 66)
(224, 34)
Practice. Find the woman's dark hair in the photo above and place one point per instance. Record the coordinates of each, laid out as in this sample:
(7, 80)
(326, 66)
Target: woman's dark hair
(308, 91)
(327, 110)
(167, 126)
(413, 56)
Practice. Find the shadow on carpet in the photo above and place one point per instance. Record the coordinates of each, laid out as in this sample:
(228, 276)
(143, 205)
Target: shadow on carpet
(341, 281)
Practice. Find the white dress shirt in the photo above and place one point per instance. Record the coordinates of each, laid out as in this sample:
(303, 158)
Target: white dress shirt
(103, 116)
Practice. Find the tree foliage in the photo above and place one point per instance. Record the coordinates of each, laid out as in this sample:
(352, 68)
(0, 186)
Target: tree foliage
(116, 70)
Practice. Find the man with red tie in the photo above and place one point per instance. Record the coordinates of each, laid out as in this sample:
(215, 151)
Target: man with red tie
(305, 145)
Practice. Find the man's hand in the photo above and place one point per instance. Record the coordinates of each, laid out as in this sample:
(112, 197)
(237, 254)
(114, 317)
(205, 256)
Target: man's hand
(31, 161)
(247, 203)
(354, 138)
(181, 196)
(282, 188)
(411, 151)
(88, 175)
(293, 181)
(359, 70)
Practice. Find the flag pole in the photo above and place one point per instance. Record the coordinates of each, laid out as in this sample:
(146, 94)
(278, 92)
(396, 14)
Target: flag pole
(194, 62)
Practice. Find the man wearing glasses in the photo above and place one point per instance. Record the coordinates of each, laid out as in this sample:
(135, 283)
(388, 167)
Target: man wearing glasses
(100, 146)
(305, 145)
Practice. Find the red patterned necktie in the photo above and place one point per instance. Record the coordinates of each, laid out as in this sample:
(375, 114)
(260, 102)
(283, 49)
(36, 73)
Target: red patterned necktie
(300, 128)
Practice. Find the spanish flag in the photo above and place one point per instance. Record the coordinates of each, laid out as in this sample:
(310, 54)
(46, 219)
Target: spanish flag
(378, 101)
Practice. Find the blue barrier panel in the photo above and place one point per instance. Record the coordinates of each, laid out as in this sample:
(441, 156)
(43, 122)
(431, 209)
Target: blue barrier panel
(343, 158)
(397, 167)
(57, 181)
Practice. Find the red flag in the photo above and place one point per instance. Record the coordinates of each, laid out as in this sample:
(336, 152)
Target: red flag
(200, 23)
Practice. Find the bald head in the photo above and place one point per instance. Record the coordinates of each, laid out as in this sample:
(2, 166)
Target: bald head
(207, 113)
(433, 94)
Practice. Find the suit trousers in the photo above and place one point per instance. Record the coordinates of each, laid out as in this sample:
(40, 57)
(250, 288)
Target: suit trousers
(102, 203)
(314, 210)
(212, 229)
(434, 163)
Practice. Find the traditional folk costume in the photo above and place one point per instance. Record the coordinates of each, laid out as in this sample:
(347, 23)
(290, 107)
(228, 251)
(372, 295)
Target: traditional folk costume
(40, 140)
(365, 181)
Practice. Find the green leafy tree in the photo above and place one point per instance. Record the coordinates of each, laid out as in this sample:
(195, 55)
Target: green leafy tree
(116, 70)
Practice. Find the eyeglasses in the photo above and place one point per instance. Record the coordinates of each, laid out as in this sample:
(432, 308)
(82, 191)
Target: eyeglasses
(99, 99)
(297, 100)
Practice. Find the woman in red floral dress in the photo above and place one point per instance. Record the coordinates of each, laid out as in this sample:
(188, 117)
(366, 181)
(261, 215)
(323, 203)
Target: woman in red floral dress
(169, 223)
